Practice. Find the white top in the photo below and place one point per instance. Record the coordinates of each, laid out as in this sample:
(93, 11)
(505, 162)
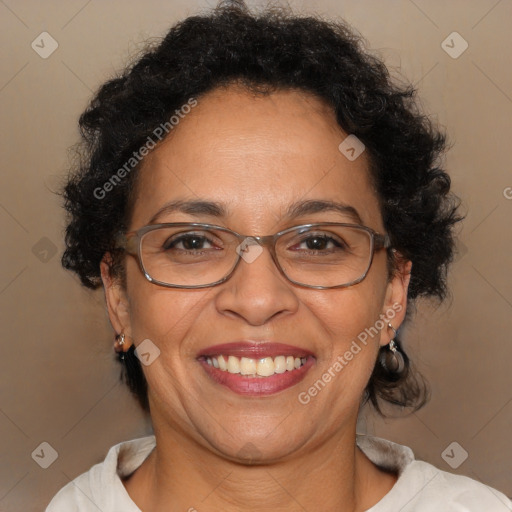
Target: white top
(420, 487)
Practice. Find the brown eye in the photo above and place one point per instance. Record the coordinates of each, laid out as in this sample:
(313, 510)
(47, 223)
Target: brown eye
(190, 242)
(320, 242)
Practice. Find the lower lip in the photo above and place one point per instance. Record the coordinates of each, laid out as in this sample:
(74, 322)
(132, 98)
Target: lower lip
(258, 386)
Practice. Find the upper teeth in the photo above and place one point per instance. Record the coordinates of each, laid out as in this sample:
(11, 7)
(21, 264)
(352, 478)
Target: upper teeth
(263, 367)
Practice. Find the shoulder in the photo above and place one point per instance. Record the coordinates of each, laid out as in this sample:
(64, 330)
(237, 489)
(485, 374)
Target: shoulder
(101, 488)
(77, 495)
(432, 488)
(421, 487)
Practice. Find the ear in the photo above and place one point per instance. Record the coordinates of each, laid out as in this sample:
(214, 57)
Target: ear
(395, 302)
(118, 306)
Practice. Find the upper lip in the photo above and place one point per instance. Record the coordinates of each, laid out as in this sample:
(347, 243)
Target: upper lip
(254, 350)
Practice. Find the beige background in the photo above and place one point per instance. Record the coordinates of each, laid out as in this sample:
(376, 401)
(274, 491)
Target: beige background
(59, 381)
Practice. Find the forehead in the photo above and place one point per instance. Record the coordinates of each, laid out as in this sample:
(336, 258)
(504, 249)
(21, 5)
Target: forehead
(256, 155)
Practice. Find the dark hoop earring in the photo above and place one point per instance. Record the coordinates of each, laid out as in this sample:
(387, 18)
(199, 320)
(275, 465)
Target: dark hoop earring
(392, 360)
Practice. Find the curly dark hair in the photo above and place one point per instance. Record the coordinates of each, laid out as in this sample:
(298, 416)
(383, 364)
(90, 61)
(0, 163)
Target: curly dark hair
(268, 51)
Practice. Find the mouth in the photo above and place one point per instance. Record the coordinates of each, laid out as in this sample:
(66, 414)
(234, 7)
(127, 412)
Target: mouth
(258, 369)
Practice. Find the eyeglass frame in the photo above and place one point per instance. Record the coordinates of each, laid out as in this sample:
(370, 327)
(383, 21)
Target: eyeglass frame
(378, 241)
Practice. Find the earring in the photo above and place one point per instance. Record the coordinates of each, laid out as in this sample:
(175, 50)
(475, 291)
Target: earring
(118, 345)
(392, 360)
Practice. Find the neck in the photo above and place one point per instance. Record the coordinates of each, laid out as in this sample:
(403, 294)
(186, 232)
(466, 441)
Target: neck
(181, 472)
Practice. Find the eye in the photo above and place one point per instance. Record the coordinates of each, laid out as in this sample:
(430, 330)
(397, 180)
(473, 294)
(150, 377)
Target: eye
(189, 242)
(321, 242)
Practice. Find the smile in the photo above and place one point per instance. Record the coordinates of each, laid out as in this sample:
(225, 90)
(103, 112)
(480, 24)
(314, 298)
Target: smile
(262, 367)
(256, 369)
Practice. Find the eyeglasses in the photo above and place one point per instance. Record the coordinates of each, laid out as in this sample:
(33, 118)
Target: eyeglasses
(195, 255)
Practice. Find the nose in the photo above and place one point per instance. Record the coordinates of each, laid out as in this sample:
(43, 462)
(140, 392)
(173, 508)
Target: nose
(256, 291)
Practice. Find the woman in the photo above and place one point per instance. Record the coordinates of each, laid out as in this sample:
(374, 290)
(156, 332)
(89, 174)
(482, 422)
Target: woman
(262, 205)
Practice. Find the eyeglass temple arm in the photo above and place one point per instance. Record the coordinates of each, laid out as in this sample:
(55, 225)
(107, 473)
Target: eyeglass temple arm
(127, 242)
(382, 241)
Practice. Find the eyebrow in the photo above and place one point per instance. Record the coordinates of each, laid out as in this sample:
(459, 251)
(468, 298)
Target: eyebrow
(191, 207)
(200, 208)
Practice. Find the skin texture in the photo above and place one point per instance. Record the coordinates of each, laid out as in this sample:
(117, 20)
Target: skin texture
(255, 155)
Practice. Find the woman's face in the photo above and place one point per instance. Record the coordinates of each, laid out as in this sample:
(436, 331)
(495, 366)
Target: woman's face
(255, 157)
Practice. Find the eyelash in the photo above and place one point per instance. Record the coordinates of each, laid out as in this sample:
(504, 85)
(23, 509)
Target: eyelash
(181, 238)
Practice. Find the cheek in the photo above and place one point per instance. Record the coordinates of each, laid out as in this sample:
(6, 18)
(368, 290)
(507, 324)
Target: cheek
(164, 315)
(167, 318)
(347, 313)
(349, 319)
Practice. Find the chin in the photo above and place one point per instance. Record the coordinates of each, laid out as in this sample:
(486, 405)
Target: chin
(261, 447)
